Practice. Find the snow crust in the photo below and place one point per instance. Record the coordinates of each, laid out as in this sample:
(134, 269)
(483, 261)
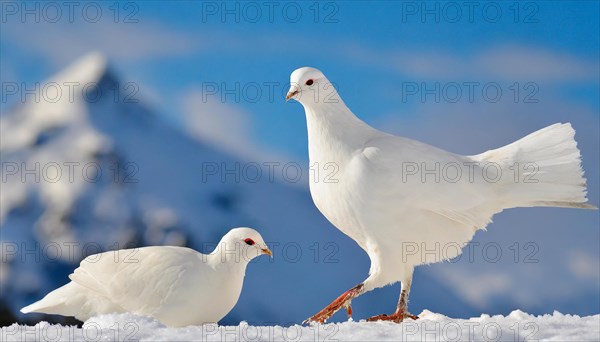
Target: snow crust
(517, 326)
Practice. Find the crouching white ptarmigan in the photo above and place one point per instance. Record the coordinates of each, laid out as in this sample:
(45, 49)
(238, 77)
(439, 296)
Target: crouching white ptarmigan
(401, 199)
(176, 285)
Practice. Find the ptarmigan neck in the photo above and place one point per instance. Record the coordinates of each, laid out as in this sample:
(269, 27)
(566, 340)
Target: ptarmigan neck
(334, 132)
(225, 258)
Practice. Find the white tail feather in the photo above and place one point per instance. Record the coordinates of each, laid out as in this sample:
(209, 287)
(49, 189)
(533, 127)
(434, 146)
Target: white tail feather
(48, 304)
(59, 302)
(548, 163)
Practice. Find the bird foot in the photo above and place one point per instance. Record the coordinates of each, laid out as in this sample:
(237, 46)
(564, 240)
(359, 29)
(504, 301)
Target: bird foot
(343, 301)
(396, 317)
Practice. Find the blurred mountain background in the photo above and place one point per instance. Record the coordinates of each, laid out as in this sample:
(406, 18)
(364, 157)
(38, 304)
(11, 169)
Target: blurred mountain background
(177, 121)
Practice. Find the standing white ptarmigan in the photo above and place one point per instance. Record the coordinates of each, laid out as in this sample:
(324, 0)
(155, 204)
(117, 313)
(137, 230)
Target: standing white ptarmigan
(176, 285)
(401, 199)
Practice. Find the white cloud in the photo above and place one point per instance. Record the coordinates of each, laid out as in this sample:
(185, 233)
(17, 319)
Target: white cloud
(227, 126)
(60, 43)
(499, 62)
(584, 266)
(476, 289)
(525, 63)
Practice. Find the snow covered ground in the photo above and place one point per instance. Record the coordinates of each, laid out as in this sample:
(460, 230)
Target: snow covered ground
(517, 326)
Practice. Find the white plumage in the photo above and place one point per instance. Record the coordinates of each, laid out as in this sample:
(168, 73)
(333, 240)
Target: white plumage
(176, 285)
(399, 198)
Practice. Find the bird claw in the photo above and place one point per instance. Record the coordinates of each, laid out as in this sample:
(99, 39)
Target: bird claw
(309, 321)
(396, 317)
(349, 310)
(343, 301)
(323, 315)
(319, 317)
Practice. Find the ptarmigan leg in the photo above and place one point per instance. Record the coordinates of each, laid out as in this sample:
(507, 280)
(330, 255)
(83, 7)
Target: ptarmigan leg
(343, 301)
(402, 308)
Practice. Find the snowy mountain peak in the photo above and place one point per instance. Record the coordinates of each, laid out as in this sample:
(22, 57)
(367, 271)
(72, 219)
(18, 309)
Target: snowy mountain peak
(59, 101)
(88, 69)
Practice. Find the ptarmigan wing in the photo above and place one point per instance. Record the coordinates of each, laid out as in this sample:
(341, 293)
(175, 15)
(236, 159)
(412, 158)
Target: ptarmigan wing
(140, 279)
(423, 177)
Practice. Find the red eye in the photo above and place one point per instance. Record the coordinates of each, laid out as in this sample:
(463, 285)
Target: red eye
(249, 241)
(310, 82)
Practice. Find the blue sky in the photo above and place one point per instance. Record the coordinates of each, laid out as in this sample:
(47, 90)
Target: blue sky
(372, 51)
(369, 49)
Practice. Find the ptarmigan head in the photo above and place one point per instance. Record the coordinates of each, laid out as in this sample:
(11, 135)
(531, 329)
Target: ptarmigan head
(309, 86)
(242, 245)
